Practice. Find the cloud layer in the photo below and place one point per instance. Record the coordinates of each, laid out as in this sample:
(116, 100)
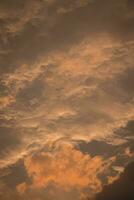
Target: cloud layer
(66, 78)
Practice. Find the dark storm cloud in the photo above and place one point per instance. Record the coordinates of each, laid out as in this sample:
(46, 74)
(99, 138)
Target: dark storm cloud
(120, 189)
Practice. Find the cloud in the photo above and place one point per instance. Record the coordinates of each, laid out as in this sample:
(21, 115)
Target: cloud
(14, 144)
(128, 152)
(70, 7)
(79, 95)
(10, 143)
(5, 101)
(112, 179)
(65, 168)
(66, 77)
(42, 27)
(15, 22)
(121, 188)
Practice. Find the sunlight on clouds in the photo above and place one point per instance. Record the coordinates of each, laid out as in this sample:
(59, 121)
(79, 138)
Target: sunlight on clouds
(80, 96)
(66, 168)
(66, 97)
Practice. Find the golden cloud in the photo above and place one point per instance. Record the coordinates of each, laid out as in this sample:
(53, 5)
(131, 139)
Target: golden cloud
(66, 168)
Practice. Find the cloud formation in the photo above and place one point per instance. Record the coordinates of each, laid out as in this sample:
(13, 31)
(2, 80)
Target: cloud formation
(121, 188)
(66, 77)
(60, 170)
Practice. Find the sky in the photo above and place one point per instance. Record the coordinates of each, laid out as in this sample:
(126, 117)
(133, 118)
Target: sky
(66, 99)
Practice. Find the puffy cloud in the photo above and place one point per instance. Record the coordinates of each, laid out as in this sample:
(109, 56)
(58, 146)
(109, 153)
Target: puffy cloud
(65, 168)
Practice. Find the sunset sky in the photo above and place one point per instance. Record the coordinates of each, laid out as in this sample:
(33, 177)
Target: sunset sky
(66, 99)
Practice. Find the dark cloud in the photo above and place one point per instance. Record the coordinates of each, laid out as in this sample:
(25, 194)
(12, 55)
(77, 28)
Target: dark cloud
(127, 131)
(16, 174)
(97, 148)
(31, 96)
(9, 138)
(120, 189)
(40, 26)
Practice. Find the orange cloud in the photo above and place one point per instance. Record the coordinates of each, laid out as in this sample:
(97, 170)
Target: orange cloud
(21, 188)
(112, 179)
(5, 101)
(128, 152)
(66, 168)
